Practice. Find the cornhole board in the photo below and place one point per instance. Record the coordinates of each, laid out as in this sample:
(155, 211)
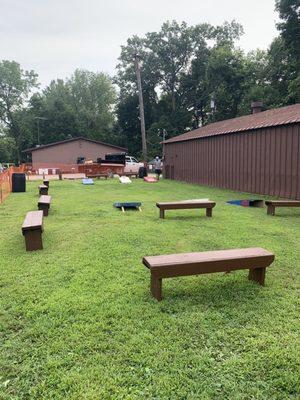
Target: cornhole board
(150, 179)
(133, 205)
(124, 179)
(247, 202)
(87, 181)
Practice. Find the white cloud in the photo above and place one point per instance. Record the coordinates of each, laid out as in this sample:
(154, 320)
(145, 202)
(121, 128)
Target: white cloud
(54, 37)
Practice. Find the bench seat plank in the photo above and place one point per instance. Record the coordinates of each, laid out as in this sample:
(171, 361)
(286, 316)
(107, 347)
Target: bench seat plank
(45, 199)
(283, 203)
(32, 229)
(98, 176)
(44, 204)
(43, 190)
(186, 204)
(271, 204)
(166, 266)
(33, 220)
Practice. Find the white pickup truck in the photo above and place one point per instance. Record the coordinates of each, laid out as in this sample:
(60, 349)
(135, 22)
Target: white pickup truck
(132, 165)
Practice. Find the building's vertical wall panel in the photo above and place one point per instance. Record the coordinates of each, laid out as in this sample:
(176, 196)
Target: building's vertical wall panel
(266, 161)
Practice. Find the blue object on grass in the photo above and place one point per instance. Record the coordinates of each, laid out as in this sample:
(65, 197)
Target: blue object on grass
(87, 181)
(247, 202)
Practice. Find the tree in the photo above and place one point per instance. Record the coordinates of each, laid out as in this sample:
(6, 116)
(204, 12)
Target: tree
(289, 27)
(93, 97)
(81, 105)
(15, 87)
(7, 149)
(289, 12)
(174, 75)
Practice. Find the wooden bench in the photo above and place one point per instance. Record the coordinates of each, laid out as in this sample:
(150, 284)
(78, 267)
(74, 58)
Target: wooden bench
(43, 190)
(46, 183)
(169, 266)
(180, 205)
(271, 204)
(44, 204)
(130, 174)
(32, 229)
(98, 176)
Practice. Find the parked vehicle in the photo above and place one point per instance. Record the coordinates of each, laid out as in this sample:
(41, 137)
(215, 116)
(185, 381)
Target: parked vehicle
(132, 165)
(114, 158)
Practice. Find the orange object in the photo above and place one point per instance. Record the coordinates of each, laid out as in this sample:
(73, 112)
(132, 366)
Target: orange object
(150, 179)
(6, 181)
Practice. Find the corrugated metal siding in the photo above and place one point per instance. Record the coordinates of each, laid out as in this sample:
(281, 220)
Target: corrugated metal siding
(264, 161)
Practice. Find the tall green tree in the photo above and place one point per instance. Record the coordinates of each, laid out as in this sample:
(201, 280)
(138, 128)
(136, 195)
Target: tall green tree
(82, 105)
(7, 149)
(174, 76)
(289, 13)
(289, 27)
(15, 88)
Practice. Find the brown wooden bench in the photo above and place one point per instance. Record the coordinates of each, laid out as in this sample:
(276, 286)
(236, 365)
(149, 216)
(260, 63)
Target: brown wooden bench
(44, 204)
(43, 190)
(272, 204)
(46, 183)
(98, 176)
(180, 205)
(32, 229)
(130, 174)
(169, 266)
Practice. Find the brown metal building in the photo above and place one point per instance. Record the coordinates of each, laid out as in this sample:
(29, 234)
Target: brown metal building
(68, 151)
(257, 153)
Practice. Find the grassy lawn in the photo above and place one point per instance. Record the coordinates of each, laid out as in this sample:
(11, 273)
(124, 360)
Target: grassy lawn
(77, 320)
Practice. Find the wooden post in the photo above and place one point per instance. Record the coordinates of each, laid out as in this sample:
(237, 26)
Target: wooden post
(271, 210)
(209, 212)
(257, 275)
(161, 213)
(33, 240)
(141, 105)
(44, 208)
(156, 287)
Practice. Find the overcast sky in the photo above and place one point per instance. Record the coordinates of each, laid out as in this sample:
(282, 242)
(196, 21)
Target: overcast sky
(54, 37)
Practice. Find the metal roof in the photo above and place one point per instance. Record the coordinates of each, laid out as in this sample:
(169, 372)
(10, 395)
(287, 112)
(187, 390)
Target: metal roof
(265, 119)
(72, 140)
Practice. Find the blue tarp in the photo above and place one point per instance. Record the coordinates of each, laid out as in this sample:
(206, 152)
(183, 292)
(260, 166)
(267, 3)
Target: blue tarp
(87, 181)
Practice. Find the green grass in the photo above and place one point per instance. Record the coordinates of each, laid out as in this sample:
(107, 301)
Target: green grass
(77, 320)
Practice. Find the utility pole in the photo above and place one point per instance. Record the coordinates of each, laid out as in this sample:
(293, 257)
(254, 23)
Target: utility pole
(38, 126)
(141, 105)
(162, 133)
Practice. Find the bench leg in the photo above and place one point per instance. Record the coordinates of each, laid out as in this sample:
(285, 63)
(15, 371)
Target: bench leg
(44, 208)
(258, 275)
(161, 213)
(156, 287)
(209, 212)
(271, 210)
(33, 240)
(44, 192)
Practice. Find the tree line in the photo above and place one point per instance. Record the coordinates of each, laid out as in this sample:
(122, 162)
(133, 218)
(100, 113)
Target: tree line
(191, 76)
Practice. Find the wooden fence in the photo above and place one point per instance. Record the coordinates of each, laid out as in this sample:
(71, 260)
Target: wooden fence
(6, 181)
